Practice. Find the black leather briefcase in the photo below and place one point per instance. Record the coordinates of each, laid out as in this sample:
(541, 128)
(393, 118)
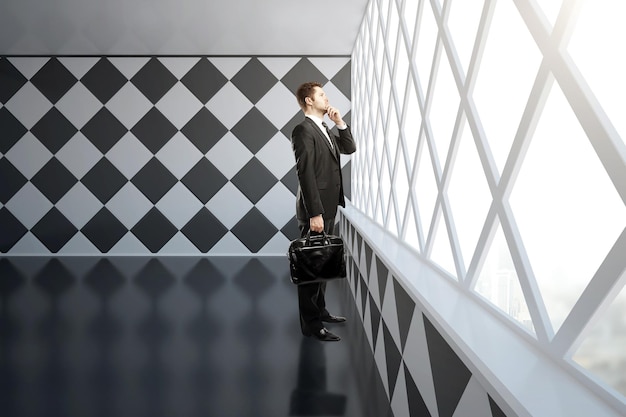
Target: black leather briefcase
(316, 258)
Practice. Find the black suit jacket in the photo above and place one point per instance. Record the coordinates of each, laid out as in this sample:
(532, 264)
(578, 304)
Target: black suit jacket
(320, 188)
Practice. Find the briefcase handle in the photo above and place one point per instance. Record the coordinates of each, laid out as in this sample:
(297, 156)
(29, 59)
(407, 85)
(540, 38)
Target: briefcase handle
(324, 238)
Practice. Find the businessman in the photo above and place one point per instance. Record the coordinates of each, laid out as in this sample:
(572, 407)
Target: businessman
(320, 192)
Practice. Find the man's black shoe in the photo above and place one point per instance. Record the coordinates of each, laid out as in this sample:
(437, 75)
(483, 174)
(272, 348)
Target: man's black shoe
(333, 319)
(325, 336)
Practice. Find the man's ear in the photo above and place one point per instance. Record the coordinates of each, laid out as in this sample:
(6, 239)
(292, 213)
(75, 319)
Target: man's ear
(308, 100)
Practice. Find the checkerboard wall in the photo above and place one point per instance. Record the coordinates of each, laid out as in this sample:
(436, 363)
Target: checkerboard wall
(168, 155)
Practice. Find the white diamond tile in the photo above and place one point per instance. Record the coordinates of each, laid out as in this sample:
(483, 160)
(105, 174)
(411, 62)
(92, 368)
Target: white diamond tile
(79, 205)
(390, 312)
(279, 105)
(79, 66)
(79, 245)
(381, 358)
(229, 205)
(78, 105)
(337, 99)
(180, 245)
(277, 155)
(129, 205)
(279, 67)
(278, 205)
(229, 66)
(229, 105)
(276, 246)
(179, 155)
(28, 155)
(179, 105)
(28, 66)
(129, 245)
(179, 205)
(29, 205)
(329, 66)
(229, 155)
(400, 400)
(229, 245)
(129, 105)
(417, 361)
(179, 66)
(79, 155)
(474, 401)
(29, 245)
(129, 66)
(28, 105)
(129, 155)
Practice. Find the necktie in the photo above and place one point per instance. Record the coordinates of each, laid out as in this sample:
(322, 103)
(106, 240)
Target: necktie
(329, 134)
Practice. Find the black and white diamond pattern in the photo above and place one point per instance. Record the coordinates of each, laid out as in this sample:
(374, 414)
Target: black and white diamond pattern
(421, 373)
(139, 155)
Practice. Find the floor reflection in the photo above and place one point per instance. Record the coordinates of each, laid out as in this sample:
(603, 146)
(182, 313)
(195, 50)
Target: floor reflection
(172, 336)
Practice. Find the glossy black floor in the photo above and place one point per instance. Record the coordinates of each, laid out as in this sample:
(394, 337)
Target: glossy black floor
(174, 336)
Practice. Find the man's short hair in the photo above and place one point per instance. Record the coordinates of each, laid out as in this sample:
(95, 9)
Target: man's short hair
(304, 91)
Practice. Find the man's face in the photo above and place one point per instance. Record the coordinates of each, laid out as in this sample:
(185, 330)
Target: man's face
(319, 100)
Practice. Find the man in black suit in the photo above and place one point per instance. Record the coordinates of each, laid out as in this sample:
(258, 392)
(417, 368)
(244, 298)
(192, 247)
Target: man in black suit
(320, 191)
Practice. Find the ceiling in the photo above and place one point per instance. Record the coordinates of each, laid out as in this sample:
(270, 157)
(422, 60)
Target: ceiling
(179, 27)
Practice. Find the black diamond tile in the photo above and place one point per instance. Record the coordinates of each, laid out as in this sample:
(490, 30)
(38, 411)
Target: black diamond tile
(204, 130)
(54, 230)
(154, 180)
(11, 181)
(404, 307)
(368, 261)
(393, 358)
(302, 72)
(104, 230)
(364, 293)
(154, 130)
(204, 230)
(417, 406)
(204, 80)
(53, 130)
(104, 80)
(254, 130)
(290, 180)
(54, 180)
(291, 124)
(254, 230)
(11, 80)
(11, 230)
(204, 180)
(450, 375)
(382, 272)
(254, 180)
(375, 317)
(154, 80)
(496, 411)
(53, 80)
(254, 80)
(104, 130)
(12, 129)
(346, 176)
(104, 180)
(154, 230)
(343, 80)
(291, 229)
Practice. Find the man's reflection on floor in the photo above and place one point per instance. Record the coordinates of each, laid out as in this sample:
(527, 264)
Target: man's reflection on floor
(310, 396)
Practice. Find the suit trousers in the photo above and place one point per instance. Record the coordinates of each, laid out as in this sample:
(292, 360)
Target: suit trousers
(311, 301)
